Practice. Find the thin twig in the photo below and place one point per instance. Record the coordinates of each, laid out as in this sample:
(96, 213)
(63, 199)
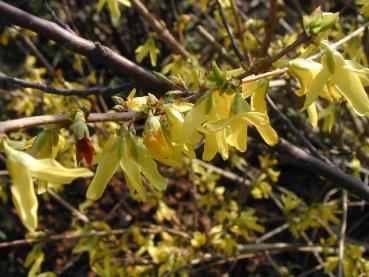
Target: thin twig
(56, 18)
(12, 83)
(160, 29)
(235, 48)
(36, 121)
(33, 49)
(324, 169)
(345, 39)
(303, 38)
(295, 131)
(237, 19)
(270, 28)
(68, 206)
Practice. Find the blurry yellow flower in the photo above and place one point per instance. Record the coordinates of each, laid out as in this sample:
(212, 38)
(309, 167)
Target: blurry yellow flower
(139, 103)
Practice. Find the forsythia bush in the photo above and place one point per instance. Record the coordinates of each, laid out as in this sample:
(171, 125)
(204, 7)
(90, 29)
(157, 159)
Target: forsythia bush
(168, 141)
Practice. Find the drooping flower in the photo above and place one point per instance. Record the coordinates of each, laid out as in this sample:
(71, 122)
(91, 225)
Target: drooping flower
(131, 155)
(22, 167)
(336, 77)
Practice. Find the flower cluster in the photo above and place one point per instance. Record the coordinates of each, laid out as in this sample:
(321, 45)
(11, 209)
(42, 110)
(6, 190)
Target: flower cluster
(331, 79)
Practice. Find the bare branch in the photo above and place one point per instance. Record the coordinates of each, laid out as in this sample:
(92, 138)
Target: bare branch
(74, 43)
(270, 28)
(338, 177)
(235, 48)
(36, 121)
(160, 29)
(10, 83)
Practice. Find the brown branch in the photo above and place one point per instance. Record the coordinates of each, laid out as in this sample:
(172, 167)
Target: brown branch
(160, 29)
(267, 63)
(56, 18)
(235, 48)
(9, 83)
(68, 206)
(74, 43)
(33, 49)
(270, 28)
(332, 173)
(237, 19)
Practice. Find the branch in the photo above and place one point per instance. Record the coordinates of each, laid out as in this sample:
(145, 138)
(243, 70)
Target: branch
(271, 27)
(56, 18)
(77, 44)
(68, 206)
(235, 48)
(154, 229)
(160, 29)
(332, 173)
(9, 82)
(265, 64)
(35, 121)
(66, 236)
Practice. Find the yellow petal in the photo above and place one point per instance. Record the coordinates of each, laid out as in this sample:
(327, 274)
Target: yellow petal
(210, 147)
(248, 88)
(221, 140)
(351, 88)
(258, 102)
(23, 192)
(239, 134)
(266, 131)
(316, 87)
(48, 170)
(149, 169)
(313, 115)
(108, 165)
(100, 5)
(194, 118)
(51, 171)
(114, 8)
(305, 71)
(131, 170)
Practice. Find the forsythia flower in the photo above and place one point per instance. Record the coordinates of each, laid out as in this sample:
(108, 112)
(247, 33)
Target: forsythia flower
(158, 146)
(22, 167)
(236, 124)
(331, 79)
(132, 157)
(46, 144)
(223, 118)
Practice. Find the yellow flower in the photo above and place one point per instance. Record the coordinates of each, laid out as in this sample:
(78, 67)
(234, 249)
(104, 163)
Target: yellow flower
(342, 77)
(22, 167)
(210, 107)
(236, 123)
(131, 155)
(158, 145)
(139, 103)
